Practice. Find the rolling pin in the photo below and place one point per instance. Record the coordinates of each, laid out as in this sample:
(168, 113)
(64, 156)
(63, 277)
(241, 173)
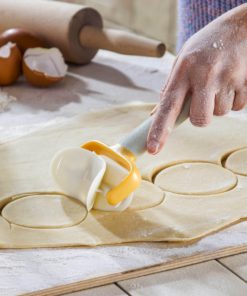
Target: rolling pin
(76, 30)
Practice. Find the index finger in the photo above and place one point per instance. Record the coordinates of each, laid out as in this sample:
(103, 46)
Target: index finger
(168, 110)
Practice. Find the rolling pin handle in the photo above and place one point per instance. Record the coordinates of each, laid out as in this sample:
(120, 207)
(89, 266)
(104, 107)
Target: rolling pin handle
(120, 42)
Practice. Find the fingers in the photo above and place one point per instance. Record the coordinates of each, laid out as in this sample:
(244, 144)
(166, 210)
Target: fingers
(202, 107)
(164, 87)
(165, 116)
(204, 103)
(224, 101)
(240, 100)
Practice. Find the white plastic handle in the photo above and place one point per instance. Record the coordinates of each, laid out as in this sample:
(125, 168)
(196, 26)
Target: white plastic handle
(136, 141)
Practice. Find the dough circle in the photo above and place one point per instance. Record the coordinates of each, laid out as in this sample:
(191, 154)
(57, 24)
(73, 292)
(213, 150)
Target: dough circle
(146, 196)
(196, 178)
(237, 162)
(44, 211)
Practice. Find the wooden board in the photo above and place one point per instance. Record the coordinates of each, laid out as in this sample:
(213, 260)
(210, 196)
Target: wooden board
(110, 290)
(104, 280)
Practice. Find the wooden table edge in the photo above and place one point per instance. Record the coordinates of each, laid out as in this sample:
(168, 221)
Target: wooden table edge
(109, 279)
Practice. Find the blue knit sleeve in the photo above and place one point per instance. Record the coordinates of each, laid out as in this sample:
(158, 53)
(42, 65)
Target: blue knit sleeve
(195, 14)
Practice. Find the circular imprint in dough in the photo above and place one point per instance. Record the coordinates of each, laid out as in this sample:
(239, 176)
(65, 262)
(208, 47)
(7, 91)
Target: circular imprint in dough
(44, 211)
(196, 178)
(237, 162)
(146, 196)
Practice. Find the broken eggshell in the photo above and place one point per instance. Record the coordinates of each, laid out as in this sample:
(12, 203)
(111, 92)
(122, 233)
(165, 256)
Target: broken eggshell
(22, 38)
(10, 64)
(43, 67)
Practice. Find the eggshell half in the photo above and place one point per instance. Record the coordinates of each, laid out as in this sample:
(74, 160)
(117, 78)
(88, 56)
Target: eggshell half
(10, 64)
(43, 67)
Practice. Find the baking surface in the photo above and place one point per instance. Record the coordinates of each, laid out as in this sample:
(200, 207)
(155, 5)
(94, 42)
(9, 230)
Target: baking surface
(111, 79)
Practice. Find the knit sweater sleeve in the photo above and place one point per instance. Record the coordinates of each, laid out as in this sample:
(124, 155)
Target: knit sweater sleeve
(195, 14)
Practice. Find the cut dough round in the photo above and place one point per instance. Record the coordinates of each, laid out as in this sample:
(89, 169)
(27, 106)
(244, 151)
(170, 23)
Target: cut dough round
(237, 162)
(196, 178)
(44, 211)
(146, 196)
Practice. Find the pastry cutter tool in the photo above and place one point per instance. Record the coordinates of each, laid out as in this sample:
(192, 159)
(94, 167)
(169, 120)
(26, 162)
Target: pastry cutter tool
(80, 171)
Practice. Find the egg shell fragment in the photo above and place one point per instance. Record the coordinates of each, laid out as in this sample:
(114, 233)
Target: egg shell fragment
(43, 67)
(10, 64)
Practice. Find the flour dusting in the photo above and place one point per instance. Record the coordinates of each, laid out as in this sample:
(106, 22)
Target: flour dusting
(5, 100)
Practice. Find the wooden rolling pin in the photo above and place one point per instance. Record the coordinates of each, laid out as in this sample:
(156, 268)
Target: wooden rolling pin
(76, 30)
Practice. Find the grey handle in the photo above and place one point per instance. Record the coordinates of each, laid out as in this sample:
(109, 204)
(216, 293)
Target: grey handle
(136, 140)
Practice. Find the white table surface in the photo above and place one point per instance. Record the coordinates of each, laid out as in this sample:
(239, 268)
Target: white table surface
(109, 80)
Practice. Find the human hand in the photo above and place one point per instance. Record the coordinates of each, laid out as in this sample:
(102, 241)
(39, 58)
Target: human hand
(211, 68)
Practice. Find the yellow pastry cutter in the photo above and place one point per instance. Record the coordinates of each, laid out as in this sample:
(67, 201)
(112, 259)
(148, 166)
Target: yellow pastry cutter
(125, 154)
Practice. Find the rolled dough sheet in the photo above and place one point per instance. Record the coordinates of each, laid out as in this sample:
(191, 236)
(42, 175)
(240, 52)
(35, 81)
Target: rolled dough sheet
(29, 219)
